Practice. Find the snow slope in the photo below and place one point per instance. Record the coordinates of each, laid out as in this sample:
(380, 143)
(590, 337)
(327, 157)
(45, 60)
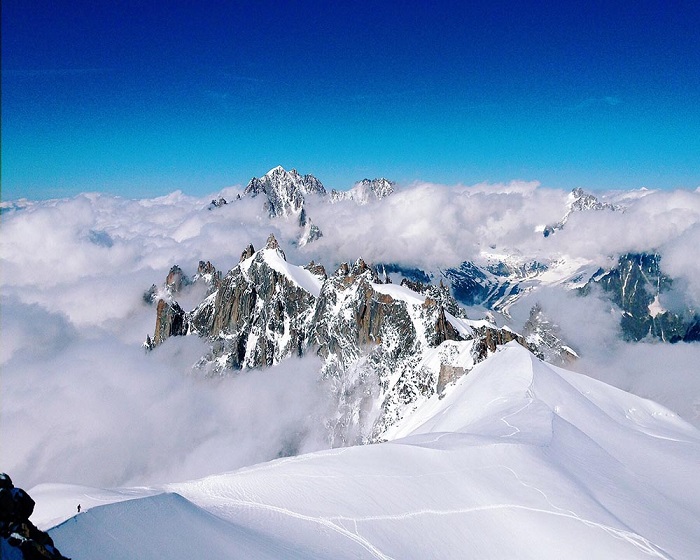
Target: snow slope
(519, 460)
(163, 526)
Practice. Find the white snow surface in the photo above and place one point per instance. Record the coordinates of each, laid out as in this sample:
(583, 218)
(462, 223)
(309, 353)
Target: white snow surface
(297, 274)
(520, 459)
(655, 307)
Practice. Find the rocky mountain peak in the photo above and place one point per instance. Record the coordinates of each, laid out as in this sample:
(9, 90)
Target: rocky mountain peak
(248, 252)
(356, 269)
(175, 279)
(265, 311)
(579, 201)
(364, 191)
(545, 339)
(271, 242)
(316, 269)
(217, 202)
(360, 267)
(342, 270)
(284, 190)
(380, 187)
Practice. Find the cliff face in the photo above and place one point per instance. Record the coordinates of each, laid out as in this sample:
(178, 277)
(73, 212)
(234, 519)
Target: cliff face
(638, 287)
(265, 310)
(259, 315)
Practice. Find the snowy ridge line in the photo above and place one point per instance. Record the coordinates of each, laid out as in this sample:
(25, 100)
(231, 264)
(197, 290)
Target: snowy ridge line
(457, 474)
(297, 274)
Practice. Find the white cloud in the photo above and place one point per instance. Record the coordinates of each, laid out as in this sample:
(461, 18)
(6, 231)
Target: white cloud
(83, 406)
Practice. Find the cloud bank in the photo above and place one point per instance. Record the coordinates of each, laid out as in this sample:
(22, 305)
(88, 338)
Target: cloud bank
(82, 402)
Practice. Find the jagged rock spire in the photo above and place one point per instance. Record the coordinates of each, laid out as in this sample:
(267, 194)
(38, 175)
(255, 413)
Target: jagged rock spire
(248, 252)
(272, 243)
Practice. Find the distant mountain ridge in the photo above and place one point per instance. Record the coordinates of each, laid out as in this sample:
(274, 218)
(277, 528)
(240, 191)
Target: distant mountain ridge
(365, 191)
(286, 192)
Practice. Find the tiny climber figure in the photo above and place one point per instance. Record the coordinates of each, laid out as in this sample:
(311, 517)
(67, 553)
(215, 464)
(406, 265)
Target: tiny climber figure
(78, 508)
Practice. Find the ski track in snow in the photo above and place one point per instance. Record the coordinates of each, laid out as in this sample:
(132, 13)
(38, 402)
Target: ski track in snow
(633, 538)
(515, 428)
(325, 521)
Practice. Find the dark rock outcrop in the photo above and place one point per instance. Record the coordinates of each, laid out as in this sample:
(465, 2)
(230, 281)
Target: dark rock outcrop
(218, 202)
(248, 252)
(19, 538)
(171, 320)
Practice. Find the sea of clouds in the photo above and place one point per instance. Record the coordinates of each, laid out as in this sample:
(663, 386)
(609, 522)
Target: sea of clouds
(82, 402)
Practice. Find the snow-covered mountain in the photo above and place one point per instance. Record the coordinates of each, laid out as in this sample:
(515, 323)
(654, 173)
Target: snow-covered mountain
(240, 432)
(266, 310)
(517, 459)
(365, 191)
(285, 193)
(284, 190)
(580, 201)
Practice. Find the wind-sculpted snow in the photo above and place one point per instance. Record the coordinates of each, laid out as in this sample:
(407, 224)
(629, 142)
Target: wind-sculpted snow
(518, 459)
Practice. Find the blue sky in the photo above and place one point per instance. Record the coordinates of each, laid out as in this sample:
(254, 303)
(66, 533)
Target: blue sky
(142, 98)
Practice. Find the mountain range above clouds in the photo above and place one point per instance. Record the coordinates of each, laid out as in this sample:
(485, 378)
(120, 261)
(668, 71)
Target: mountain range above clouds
(265, 310)
(267, 342)
(495, 281)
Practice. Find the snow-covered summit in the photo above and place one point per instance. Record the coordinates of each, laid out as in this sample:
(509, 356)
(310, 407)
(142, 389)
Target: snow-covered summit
(285, 190)
(364, 191)
(580, 201)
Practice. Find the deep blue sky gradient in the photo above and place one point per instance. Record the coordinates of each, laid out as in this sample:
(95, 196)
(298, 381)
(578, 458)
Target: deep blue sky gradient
(142, 98)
